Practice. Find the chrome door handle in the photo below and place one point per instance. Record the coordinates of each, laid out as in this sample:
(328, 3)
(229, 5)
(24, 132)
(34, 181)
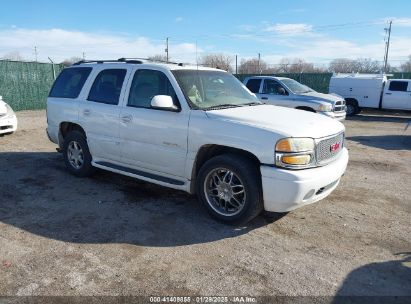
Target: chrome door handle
(264, 98)
(126, 118)
(86, 112)
(388, 93)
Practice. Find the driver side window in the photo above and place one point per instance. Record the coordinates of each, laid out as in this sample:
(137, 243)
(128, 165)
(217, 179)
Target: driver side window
(272, 87)
(145, 85)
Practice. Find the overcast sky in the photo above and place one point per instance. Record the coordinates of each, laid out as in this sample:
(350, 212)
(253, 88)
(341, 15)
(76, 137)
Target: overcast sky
(317, 31)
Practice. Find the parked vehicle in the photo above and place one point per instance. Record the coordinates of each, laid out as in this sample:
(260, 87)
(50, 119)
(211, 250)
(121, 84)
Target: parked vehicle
(194, 129)
(371, 91)
(286, 92)
(8, 119)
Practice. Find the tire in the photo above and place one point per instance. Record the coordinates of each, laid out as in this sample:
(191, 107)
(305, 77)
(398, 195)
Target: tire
(77, 155)
(226, 202)
(352, 108)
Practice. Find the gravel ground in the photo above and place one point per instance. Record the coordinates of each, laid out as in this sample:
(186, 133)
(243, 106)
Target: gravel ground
(113, 235)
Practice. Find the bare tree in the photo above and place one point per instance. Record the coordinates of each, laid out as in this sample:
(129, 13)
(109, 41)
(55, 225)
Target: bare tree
(406, 66)
(252, 66)
(296, 65)
(360, 65)
(220, 61)
(159, 57)
(70, 61)
(13, 56)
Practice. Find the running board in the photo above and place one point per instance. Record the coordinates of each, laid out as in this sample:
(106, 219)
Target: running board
(141, 173)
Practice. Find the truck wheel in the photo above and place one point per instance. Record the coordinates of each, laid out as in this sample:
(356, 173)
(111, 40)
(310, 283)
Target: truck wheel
(229, 187)
(76, 154)
(352, 108)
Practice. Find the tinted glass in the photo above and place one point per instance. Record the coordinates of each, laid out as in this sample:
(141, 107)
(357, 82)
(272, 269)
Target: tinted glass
(271, 87)
(147, 84)
(107, 86)
(70, 82)
(254, 85)
(398, 86)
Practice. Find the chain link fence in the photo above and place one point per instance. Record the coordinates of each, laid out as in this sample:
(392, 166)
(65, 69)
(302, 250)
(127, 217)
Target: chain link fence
(25, 85)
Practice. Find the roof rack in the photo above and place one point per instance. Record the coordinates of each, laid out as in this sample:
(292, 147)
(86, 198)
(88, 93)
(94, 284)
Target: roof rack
(127, 60)
(150, 59)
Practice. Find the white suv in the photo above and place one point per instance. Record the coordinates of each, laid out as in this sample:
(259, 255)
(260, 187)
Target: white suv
(195, 129)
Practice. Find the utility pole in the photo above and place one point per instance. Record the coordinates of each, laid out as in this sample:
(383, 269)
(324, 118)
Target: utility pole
(167, 49)
(35, 53)
(387, 47)
(259, 63)
(236, 64)
(84, 56)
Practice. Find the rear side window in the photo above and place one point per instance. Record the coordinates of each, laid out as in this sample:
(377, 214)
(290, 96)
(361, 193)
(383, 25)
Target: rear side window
(70, 82)
(107, 86)
(254, 85)
(398, 86)
(147, 84)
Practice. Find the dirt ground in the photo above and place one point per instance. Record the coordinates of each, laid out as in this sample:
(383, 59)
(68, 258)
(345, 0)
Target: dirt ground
(113, 235)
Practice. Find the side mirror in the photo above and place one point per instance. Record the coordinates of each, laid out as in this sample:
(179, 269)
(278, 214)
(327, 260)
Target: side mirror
(163, 102)
(282, 91)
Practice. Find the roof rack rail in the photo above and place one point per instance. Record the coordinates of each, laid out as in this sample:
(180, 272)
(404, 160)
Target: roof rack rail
(128, 60)
(150, 59)
(109, 60)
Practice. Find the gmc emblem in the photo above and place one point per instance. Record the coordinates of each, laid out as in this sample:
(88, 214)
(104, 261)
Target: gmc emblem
(335, 147)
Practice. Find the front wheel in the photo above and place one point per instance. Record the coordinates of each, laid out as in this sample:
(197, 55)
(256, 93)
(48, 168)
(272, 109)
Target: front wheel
(229, 187)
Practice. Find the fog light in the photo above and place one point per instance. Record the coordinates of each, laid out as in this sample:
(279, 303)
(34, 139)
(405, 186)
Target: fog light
(296, 159)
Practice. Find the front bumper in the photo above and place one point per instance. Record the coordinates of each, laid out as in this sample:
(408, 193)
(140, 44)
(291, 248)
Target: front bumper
(8, 124)
(285, 190)
(335, 115)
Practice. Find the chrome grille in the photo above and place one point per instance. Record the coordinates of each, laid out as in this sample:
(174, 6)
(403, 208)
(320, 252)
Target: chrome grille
(329, 148)
(339, 106)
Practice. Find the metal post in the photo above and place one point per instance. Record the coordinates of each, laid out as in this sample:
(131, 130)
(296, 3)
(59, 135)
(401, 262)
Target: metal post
(387, 48)
(167, 49)
(52, 66)
(259, 64)
(236, 64)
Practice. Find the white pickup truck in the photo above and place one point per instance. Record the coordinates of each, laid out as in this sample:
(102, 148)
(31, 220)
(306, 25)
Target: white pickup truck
(371, 91)
(199, 130)
(286, 92)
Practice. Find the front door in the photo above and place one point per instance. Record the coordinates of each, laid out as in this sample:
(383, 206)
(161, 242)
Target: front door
(153, 140)
(397, 95)
(274, 93)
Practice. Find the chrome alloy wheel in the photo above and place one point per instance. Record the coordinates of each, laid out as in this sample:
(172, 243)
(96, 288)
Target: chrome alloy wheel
(75, 154)
(224, 191)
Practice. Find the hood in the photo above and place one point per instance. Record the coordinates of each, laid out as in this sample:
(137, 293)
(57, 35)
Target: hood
(331, 98)
(280, 120)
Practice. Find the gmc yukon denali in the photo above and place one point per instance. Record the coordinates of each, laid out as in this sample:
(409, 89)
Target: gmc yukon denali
(195, 129)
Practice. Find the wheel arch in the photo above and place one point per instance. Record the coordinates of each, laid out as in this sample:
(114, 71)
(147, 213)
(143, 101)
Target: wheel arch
(209, 151)
(305, 108)
(65, 127)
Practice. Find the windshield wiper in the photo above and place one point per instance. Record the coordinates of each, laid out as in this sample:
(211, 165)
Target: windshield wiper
(223, 106)
(254, 103)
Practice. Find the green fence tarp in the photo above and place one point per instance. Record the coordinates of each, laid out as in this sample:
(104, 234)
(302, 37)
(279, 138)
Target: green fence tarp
(25, 85)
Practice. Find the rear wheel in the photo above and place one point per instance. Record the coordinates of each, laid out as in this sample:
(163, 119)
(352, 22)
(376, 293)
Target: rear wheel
(76, 154)
(352, 107)
(229, 187)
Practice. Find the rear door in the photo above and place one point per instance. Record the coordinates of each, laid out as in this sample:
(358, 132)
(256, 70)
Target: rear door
(99, 112)
(397, 95)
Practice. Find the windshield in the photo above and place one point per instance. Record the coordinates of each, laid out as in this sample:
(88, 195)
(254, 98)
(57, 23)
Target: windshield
(214, 89)
(296, 87)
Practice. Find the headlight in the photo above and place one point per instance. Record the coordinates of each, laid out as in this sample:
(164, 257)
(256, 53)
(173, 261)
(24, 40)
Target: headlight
(10, 111)
(295, 153)
(294, 145)
(325, 108)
